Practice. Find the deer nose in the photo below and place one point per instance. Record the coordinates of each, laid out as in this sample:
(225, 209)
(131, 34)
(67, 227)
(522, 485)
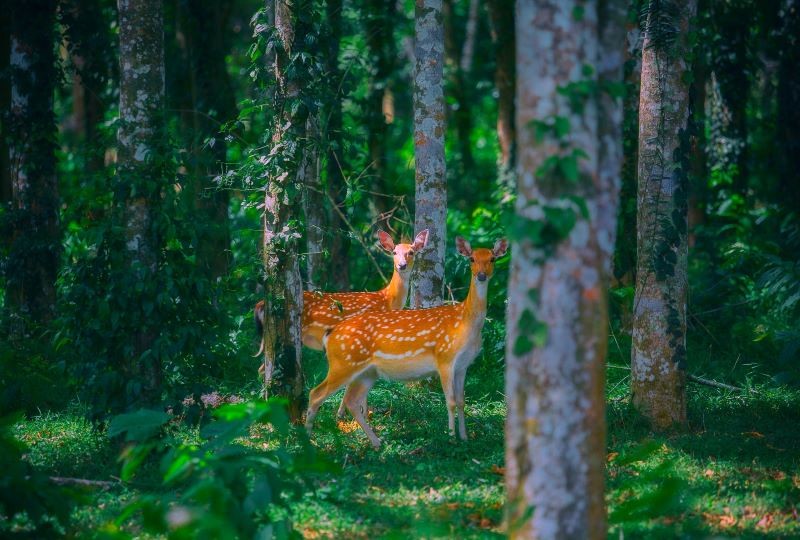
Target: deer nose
(402, 266)
(481, 276)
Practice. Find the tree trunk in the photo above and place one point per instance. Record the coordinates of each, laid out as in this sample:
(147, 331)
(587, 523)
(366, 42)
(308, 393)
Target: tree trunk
(314, 208)
(501, 13)
(140, 175)
(340, 243)
(35, 245)
(658, 359)
(625, 255)
(6, 189)
(213, 103)
(557, 319)
(429, 128)
(789, 107)
(460, 112)
(378, 25)
(284, 287)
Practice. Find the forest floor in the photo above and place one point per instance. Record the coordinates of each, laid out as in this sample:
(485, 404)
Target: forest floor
(735, 471)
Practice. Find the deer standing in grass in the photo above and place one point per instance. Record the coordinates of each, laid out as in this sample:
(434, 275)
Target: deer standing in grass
(323, 311)
(410, 344)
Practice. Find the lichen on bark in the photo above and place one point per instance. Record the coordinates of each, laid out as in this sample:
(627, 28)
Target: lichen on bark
(430, 199)
(658, 378)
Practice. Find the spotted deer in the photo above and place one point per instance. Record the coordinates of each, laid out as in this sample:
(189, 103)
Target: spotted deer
(323, 311)
(410, 344)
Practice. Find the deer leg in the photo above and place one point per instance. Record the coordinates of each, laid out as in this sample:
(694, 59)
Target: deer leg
(355, 399)
(333, 382)
(459, 394)
(446, 375)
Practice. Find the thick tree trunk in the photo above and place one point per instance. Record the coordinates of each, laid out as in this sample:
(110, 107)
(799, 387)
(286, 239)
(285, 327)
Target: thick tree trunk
(336, 162)
(789, 107)
(429, 129)
(34, 255)
(557, 312)
(502, 18)
(140, 141)
(284, 287)
(658, 359)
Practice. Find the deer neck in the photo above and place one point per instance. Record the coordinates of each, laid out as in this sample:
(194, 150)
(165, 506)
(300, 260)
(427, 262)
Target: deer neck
(396, 291)
(474, 306)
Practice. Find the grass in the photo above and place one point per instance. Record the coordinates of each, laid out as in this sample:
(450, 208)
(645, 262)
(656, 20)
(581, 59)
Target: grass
(735, 471)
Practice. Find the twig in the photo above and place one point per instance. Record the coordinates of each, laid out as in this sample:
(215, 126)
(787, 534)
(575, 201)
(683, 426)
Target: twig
(715, 384)
(66, 481)
(357, 235)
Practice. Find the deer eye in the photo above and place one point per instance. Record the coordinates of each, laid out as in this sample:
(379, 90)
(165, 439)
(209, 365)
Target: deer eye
(410, 254)
(394, 252)
(472, 259)
(492, 259)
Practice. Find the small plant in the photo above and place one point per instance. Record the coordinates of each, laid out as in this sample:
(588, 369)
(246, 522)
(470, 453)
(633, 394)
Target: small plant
(223, 486)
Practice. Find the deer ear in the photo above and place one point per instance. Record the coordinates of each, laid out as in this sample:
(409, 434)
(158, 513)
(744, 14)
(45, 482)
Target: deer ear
(386, 241)
(463, 247)
(421, 240)
(500, 248)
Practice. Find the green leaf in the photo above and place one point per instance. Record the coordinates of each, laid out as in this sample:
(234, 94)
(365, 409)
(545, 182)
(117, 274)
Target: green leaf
(561, 126)
(522, 345)
(138, 426)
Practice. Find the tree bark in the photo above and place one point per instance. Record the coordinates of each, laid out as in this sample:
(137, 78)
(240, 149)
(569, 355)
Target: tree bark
(788, 97)
(314, 208)
(284, 288)
(658, 356)
(33, 259)
(625, 256)
(141, 143)
(429, 129)
(501, 13)
(378, 25)
(212, 104)
(6, 189)
(457, 73)
(337, 160)
(557, 312)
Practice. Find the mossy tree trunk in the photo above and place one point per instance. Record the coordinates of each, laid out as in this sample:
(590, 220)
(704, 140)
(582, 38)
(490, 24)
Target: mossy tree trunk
(140, 177)
(430, 199)
(658, 356)
(282, 202)
(564, 233)
(33, 258)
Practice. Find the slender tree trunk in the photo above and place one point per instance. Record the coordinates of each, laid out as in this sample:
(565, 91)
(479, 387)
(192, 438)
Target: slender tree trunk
(34, 255)
(284, 287)
(698, 171)
(501, 13)
(429, 129)
(6, 189)
(337, 160)
(379, 15)
(212, 104)
(460, 113)
(658, 359)
(557, 312)
(314, 208)
(625, 255)
(140, 141)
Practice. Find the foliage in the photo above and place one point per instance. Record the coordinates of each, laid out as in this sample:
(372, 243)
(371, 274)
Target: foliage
(236, 481)
(30, 505)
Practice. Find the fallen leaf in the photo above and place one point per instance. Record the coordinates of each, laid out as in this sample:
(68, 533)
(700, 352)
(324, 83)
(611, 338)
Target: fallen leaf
(496, 469)
(708, 473)
(612, 456)
(753, 434)
(765, 522)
